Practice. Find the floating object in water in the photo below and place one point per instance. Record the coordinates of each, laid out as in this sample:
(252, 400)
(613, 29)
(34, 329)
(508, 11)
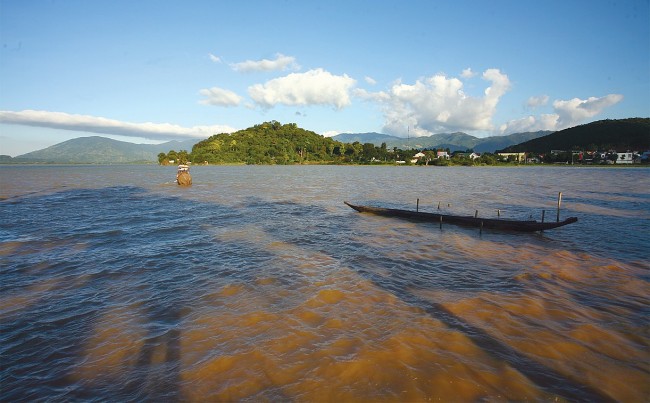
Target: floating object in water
(183, 176)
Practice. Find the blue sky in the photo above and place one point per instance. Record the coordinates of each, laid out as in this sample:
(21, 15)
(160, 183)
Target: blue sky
(151, 71)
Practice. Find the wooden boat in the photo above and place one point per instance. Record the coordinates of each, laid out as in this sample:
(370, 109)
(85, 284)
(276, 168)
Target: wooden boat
(469, 221)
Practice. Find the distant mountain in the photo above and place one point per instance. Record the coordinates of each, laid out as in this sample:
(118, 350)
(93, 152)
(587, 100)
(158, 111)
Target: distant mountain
(620, 135)
(457, 141)
(372, 137)
(494, 143)
(102, 150)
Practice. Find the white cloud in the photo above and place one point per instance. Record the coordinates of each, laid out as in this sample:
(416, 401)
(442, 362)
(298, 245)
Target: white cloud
(219, 97)
(577, 110)
(370, 80)
(95, 124)
(438, 103)
(534, 102)
(281, 63)
(379, 96)
(467, 73)
(567, 114)
(530, 124)
(214, 58)
(314, 87)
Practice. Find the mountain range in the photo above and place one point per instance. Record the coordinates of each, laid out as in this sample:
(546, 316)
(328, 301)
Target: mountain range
(102, 150)
(457, 141)
(620, 134)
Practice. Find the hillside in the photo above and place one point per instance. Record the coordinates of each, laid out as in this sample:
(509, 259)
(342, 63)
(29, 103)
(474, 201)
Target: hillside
(267, 143)
(620, 135)
(100, 150)
(491, 144)
(457, 141)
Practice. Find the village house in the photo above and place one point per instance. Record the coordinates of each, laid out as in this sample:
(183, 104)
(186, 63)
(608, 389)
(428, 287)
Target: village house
(417, 157)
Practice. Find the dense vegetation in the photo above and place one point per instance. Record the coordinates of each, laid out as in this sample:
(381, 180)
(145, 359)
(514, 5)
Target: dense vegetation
(275, 143)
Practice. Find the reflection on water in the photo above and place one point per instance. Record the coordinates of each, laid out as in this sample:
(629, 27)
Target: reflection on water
(258, 283)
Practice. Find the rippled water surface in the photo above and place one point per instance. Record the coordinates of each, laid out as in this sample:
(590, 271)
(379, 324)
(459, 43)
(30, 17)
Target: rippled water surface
(258, 283)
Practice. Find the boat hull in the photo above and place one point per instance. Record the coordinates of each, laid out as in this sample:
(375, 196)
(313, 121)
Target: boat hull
(468, 221)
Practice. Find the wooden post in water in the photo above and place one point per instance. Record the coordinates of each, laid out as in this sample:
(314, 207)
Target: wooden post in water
(481, 231)
(476, 214)
(543, 213)
(438, 205)
(559, 202)
(441, 221)
(417, 205)
(498, 213)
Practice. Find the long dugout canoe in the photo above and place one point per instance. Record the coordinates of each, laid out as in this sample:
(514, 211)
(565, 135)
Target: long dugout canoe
(468, 221)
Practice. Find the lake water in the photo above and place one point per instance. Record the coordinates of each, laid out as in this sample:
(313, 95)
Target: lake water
(257, 283)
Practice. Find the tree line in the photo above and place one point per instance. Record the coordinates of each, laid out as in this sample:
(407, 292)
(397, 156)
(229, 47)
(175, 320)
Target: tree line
(274, 143)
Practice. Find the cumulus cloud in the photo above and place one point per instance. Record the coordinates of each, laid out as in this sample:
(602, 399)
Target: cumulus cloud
(281, 63)
(576, 110)
(214, 58)
(95, 124)
(567, 114)
(530, 124)
(467, 73)
(438, 103)
(219, 97)
(534, 102)
(314, 87)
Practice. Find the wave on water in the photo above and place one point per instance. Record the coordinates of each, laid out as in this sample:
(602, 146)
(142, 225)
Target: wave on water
(281, 292)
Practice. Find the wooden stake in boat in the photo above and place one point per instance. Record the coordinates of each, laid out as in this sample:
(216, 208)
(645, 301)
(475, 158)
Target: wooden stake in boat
(559, 202)
(417, 205)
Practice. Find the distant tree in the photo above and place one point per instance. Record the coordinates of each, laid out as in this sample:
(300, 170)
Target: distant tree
(369, 152)
(183, 157)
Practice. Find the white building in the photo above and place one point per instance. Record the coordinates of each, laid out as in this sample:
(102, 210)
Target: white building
(625, 158)
(417, 157)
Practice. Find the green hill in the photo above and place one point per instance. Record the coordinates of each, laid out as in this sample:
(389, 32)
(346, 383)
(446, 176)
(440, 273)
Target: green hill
(267, 143)
(620, 135)
(99, 150)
